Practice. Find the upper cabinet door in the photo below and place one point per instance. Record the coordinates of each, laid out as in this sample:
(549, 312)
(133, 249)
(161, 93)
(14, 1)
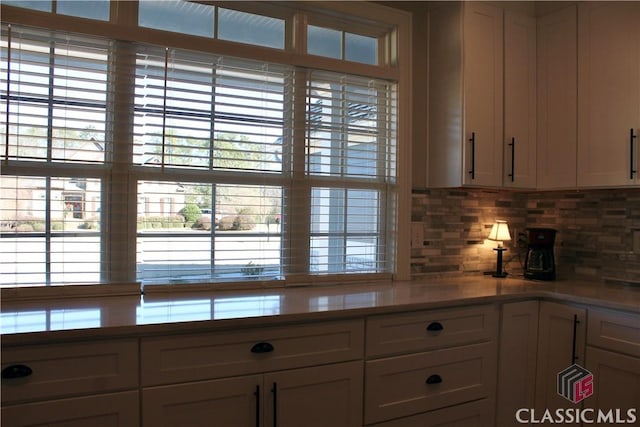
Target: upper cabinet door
(608, 93)
(483, 94)
(519, 101)
(557, 116)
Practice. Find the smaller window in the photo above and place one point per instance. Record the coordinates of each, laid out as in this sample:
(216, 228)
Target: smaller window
(44, 6)
(249, 28)
(338, 44)
(177, 16)
(324, 42)
(94, 9)
(359, 48)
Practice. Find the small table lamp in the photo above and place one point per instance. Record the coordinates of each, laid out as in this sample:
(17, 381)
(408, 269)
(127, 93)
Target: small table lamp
(499, 233)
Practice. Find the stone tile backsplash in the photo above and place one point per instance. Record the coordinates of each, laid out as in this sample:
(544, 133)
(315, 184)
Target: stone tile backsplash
(595, 229)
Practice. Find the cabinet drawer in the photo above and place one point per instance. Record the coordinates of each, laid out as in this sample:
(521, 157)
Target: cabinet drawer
(114, 410)
(167, 360)
(71, 369)
(474, 414)
(406, 385)
(616, 380)
(614, 330)
(425, 330)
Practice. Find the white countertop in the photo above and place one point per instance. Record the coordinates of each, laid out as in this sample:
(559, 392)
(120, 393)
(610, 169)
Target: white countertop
(31, 322)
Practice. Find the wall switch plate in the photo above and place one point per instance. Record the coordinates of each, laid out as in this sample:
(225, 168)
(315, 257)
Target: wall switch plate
(417, 235)
(636, 241)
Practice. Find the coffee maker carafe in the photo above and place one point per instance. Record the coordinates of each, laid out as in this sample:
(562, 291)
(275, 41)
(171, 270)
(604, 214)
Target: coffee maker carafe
(540, 261)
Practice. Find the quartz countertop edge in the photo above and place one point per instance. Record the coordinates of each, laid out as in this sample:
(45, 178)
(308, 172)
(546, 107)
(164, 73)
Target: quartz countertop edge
(124, 316)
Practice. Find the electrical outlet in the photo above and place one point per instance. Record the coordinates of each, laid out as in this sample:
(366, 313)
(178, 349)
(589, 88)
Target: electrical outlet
(417, 235)
(636, 241)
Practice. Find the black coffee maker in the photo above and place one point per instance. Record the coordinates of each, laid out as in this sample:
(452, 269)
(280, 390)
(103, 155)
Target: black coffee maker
(540, 261)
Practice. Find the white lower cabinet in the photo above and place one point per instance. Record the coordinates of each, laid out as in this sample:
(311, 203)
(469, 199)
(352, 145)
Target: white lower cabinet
(442, 368)
(107, 410)
(616, 381)
(72, 384)
(228, 402)
(307, 374)
(315, 397)
(415, 383)
(561, 343)
(613, 357)
(312, 397)
(436, 368)
(517, 360)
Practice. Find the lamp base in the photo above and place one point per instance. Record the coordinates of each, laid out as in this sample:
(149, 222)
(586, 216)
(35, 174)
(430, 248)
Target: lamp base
(499, 272)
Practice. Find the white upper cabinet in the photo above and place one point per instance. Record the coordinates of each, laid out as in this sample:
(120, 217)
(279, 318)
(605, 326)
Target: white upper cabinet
(483, 94)
(465, 95)
(608, 94)
(482, 97)
(557, 99)
(519, 100)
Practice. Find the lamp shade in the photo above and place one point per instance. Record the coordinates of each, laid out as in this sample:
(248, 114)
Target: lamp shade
(500, 231)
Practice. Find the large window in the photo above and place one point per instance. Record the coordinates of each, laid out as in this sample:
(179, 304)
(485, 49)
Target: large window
(129, 161)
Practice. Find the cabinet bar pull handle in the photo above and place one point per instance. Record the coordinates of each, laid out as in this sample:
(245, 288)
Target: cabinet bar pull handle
(513, 158)
(435, 326)
(434, 379)
(274, 390)
(473, 155)
(632, 170)
(262, 347)
(257, 394)
(16, 371)
(574, 357)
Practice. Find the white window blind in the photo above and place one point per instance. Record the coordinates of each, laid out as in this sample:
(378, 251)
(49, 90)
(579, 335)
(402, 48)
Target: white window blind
(53, 150)
(50, 230)
(203, 111)
(350, 143)
(55, 93)
(236, 237)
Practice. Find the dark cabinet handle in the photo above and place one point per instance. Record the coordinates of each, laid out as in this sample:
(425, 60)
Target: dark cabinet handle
(513, 158)
(473, 155)
(632, 170)
(574, 356)
(16, 371)
(435, 326)
(262, 347)
(434, 379)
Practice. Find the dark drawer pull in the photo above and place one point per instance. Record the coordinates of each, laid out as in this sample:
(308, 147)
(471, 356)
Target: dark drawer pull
(434, 379)
(16, 371)
(262, 347)
(435, 326)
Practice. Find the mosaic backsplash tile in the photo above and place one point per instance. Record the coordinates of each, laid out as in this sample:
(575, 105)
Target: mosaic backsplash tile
(594, 239)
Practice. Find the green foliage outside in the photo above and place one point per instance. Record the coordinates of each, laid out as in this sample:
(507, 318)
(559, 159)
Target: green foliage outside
(191, 212)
